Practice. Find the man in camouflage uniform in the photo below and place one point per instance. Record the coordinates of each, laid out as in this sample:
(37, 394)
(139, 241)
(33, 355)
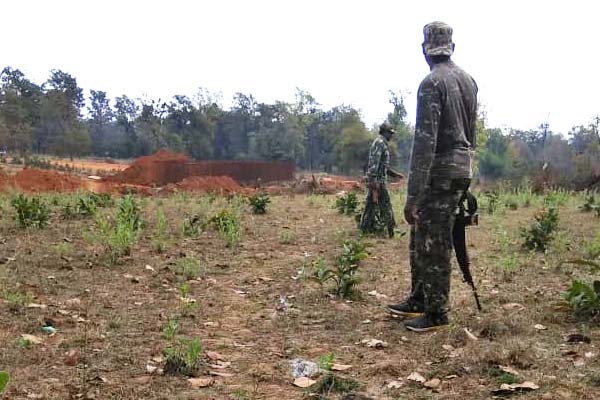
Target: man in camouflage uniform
(378, 207)
(440, 172)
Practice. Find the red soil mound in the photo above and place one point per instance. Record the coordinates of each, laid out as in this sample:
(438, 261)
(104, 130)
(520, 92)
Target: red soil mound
(149, 170)
(37, 180)
(215, 184)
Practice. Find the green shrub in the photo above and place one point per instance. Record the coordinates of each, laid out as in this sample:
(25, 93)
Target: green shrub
(119, 235)
(541, 232)
(31, 212)
(326, 361)
(192, 226)
(343, 274)
(188, 267)
(129, 213)
(227, 223)
(4, 379)
(584, 298)
(332, 383)
(492, 201)
(183, 356)
(346, 203)
(259, 203)
(589, 204)
(160, 237)
(171, 329)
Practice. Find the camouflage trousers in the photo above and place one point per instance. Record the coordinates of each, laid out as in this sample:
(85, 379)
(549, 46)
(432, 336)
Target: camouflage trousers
(378, 216)
(431, 244)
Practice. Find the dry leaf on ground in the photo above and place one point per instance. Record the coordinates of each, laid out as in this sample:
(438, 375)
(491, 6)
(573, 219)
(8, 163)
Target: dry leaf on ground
(304, 382)
(515, 387)
(32, 338)
(374, 343)
(340, 367)
(201, 382)
(416, 377)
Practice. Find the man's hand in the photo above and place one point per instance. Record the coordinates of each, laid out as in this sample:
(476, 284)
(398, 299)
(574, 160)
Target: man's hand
(375, 188)
(410, 213)
(395, 174)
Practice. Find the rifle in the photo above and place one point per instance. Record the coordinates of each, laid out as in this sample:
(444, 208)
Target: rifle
(466, 216)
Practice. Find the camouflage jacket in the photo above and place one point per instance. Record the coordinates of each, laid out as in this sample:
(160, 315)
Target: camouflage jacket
(379, 161)
(445, 128)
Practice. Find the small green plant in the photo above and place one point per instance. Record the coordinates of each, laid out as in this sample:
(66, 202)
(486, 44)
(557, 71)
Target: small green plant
(4, 379)
(344, 273)
(192, 226)
(557, 198)
(509, 264)
(240, 394)
(286, 237)
(183, 356)
(492, 201)
(31, 212)
(584, 298)
(503, 377)
(259, 203)
(160, 237)
(129, 213)
(326, 361)
(171, 329)
(184, 290)
(541, 232)
(188, 267)
(189, 305)
(346, 203)
(589, 204)
(332, 383)
(17, 301)
(62, 248)
(24, 343)
(227, 223)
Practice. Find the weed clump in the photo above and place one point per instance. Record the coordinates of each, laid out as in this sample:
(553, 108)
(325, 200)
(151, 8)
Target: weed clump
(541, 232)
(344, 272)
(31, 212)
(584, 298)
(259, 203)
(346, 203)
(227, 223)
(183, 357)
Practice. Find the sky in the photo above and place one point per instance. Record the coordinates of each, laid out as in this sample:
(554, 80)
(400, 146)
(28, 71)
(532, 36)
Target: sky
(534, 61)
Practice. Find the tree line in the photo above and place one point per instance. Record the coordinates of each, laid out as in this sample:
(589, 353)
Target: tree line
(56, 118)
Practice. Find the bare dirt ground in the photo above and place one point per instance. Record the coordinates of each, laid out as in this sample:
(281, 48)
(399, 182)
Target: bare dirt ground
(89, 165)
(111, 319)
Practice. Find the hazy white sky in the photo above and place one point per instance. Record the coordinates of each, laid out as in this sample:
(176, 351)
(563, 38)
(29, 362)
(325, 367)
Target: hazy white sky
(534, 61)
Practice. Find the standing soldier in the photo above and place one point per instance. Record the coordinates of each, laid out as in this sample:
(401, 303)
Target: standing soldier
(440, 173)
(378, 207)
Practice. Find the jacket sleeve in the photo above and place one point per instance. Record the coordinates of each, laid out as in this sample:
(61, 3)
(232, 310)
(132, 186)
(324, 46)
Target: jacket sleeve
(429, 109)
(375, 154)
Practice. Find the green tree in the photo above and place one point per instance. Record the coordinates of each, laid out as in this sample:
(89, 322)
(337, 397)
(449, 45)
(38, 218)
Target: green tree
(402, 140)
(19, 110)
(352, 148)
(100, 121)
(61, 130)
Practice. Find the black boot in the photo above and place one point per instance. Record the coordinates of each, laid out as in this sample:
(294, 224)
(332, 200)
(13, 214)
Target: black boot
(408, 308)
(427, 322)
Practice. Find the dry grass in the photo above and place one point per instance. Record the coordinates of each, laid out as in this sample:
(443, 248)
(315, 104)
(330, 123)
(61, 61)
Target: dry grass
(113, 316)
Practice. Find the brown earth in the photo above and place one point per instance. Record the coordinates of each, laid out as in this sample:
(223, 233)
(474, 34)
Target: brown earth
(214, 184)
(37, 180)
(146, 171)
(255, 311)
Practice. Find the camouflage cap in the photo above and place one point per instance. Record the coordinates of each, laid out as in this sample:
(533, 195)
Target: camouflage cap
(438, 39)
(386, 127)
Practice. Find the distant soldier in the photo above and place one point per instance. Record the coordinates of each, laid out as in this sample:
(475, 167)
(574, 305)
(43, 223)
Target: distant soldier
(440, 173)
(378, 207)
